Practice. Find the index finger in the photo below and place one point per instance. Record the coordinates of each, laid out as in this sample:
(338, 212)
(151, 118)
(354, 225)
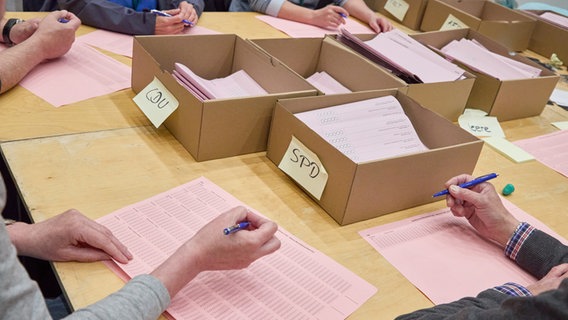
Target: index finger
(100, 237)
(457, 180)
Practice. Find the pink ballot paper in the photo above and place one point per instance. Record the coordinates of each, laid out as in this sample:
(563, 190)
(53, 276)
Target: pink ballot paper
(301, 30)
(80, 74)
(445, 258)
(295, 282)
(550, 149)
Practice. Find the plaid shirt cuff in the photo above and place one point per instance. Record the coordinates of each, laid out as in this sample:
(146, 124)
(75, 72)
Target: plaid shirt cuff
(516, 241)
(513, 289)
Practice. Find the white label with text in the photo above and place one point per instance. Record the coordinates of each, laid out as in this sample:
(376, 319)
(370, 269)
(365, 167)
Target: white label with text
(156, 102)
(304, 166)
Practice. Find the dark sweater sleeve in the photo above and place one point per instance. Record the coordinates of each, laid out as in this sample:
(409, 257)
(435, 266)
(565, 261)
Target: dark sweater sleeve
(110, 16)
(493, 305)
(540, 253)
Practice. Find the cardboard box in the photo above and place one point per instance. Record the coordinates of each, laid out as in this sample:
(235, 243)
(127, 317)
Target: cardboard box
(548, 38)
(508, 99)
(306, 56)
(506, 26)
(221, 127)
(360, 191)
(445, 98)
(412, 15)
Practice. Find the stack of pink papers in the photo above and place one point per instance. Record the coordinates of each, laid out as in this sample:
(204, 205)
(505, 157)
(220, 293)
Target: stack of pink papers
(238, 84)
(478, 58)
(556, 19)
(404, 57)
(366, 130)
(326, 83)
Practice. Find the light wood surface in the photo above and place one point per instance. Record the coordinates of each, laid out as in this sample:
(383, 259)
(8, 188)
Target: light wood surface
(103, 164)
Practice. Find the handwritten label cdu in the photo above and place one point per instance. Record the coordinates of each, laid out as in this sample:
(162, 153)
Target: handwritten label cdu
(156, 102)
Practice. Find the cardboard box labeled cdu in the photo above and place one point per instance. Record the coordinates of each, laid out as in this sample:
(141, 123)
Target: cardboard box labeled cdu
(548, 38)
(360, 191)
(445, 98)
(306, 56)
(504, 99)
(506, 26)
(216, 128)
(407, 12)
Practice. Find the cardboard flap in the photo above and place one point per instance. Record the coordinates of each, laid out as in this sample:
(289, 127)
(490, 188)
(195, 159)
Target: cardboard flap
(497, 12)
(472, 7)
(264, 69)
(300, 54)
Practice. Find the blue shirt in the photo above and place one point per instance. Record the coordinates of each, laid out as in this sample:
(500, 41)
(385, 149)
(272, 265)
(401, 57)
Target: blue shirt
(138, 5)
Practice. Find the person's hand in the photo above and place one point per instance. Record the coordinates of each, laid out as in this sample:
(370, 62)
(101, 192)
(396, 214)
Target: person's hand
(174, 24)
(551, 280)
(54, 38)
(187, 12)
(22, 31)
(482, 207)
(69, 236)
(379, 24)
(210, 249)
(329, 17)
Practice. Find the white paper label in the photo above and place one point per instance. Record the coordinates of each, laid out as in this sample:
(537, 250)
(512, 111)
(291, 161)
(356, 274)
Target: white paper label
(452, 23)
(304, 166)
(398, 8)
(156, 102)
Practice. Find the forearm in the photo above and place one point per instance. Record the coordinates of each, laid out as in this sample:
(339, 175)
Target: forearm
(359, 10)
(179, 269)
(16, 62)
(297, 13)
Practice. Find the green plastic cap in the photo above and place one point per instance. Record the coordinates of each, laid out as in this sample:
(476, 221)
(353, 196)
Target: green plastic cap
(509, 188)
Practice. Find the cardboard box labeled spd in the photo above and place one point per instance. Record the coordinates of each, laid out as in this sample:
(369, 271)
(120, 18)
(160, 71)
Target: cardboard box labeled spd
(307, 56)
(506, 26)
(504, 99)
(407, 12)
(548, 38)
(360, 191)
(216, 128)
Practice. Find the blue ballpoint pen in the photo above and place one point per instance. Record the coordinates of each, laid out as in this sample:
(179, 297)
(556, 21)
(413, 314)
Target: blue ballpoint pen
(236, 227)
(165, 14)
(343, 15)
(469, 184)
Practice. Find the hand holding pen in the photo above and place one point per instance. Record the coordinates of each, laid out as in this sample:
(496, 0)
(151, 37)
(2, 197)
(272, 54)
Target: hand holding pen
(469, 183)
(165, 14)
(210, 249)
(222, 250)
(482, 207)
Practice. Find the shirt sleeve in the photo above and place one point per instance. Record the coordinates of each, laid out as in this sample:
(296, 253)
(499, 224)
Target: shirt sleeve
(20, 296)
(111, 16)
(143, 297)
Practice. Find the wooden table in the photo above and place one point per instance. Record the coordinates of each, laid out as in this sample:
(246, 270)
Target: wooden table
(101, 170)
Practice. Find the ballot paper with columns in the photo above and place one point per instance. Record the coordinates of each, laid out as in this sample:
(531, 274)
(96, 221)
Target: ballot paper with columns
(366, 130)
(445, 258)
(295, 282)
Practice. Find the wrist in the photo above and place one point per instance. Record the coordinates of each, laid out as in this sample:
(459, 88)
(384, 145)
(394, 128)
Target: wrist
(6, 30)
(17, 233)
